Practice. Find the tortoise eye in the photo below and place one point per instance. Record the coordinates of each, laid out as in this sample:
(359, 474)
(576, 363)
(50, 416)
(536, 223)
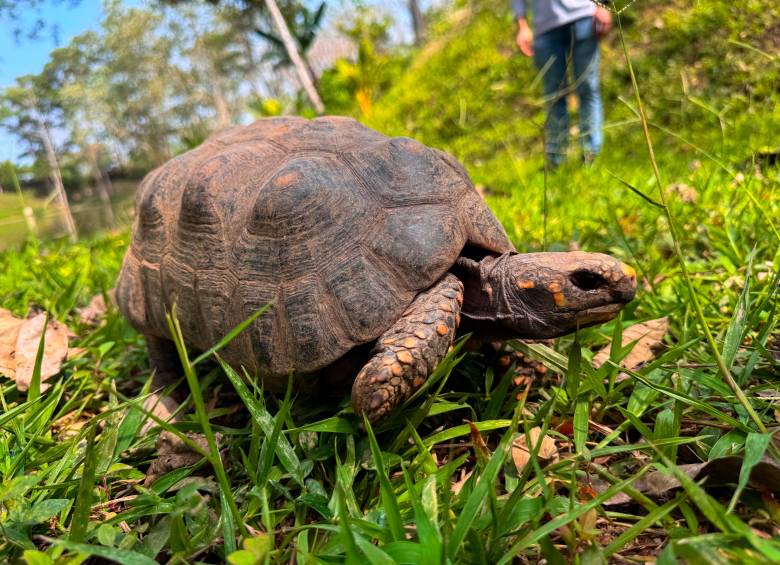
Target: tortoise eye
(587, 280)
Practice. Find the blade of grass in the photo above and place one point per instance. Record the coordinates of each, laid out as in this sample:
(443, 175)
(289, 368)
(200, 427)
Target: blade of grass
(121, 556)
(464, 430)
(677, 249)
(81, 510)
(737, 326)
(284, 450)
(755, 447)
(634, 189)
(476, 499)
(389, 500)
(347, 537)
(203, 419)
(685, 399)
(427, 532)
(555, 523)
(271, 442)
(34, 390)
(652, 517)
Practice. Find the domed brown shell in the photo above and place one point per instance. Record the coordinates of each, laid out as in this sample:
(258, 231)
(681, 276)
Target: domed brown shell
(339, 226)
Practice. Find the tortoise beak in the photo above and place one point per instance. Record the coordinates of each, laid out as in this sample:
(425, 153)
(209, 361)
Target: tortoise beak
(621, 291)
(625, 286)
(598, 315)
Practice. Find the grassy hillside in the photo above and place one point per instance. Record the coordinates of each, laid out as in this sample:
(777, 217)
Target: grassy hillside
(440, 482)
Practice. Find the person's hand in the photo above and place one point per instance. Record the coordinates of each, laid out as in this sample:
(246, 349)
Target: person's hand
(525, 40)
(602, 22)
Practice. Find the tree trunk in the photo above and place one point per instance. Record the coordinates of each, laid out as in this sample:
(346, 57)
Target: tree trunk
(220, 104)
(295, 57)
(314, 80)
(418, 22)
(56, 177)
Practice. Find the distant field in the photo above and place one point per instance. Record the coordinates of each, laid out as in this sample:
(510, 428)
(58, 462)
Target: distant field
(89, 214)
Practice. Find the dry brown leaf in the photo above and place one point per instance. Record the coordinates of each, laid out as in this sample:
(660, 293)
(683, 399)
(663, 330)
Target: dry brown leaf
(765, 477)
(457, 486)
(74, 352)
(648, 335)
(521, 454)
(55, 350)
(93, 313)
(9, 331)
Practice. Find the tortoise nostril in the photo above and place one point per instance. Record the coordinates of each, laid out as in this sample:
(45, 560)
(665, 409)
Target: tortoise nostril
(587, 280)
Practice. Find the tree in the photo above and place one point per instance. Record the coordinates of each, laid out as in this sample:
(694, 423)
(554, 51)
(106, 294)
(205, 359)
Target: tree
(218, 65)
(303, 25)
(80, 98)
(418, 22)
(372, 71)
(294, 30)
(30, 110)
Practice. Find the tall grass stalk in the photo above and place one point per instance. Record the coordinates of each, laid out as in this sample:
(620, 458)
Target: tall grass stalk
(676, 244)
(203, 418)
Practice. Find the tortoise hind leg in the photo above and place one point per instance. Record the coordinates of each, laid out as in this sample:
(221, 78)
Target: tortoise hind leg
(409, 351)
(167, 369)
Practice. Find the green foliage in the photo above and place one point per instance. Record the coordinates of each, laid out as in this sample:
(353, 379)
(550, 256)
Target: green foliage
(131, 94)
(351, 86)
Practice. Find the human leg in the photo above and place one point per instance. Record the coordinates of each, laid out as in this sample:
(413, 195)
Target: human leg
(550, 57)
(587, 83)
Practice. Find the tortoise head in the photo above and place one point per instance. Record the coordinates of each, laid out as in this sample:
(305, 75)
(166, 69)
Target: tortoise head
(545, 295)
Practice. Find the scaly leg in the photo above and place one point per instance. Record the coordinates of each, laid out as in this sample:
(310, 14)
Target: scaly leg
(409, 351)
(165, 364)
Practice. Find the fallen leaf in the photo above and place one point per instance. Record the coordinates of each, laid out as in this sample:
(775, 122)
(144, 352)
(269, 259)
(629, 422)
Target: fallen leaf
(521, 453)
(457, 486)
(93, 313)
(764, 477)
(74, 352)
(55, 350)
(9, 331)
(648, 336)
(588, 528)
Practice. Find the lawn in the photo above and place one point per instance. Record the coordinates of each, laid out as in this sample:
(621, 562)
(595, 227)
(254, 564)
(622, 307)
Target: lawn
(618, 457)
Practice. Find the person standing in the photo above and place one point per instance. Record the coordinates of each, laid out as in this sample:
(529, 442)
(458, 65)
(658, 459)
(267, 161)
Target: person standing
(566, 33)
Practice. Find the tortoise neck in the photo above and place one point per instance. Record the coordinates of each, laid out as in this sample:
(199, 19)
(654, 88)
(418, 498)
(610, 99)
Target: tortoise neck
(484, 293)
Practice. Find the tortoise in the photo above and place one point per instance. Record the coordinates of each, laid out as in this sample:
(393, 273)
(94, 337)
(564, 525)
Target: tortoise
(366, 246)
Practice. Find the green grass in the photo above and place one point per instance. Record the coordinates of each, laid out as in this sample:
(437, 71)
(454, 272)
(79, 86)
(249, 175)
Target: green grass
(296, 479)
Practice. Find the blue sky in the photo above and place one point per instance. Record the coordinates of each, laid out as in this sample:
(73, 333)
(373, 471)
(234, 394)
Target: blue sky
(29, 56)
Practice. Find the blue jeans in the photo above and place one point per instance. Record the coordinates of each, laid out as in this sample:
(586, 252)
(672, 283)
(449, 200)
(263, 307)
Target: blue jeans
(553, 50)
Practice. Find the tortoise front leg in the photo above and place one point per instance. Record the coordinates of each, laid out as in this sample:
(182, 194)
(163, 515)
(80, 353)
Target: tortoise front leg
(409, 351)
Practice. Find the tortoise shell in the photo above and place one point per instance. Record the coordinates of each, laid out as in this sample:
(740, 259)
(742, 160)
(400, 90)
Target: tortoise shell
(337, 225)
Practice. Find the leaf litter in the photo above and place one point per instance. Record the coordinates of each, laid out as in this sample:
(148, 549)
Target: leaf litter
(19, 342)
(521, 452)
(649, 338)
